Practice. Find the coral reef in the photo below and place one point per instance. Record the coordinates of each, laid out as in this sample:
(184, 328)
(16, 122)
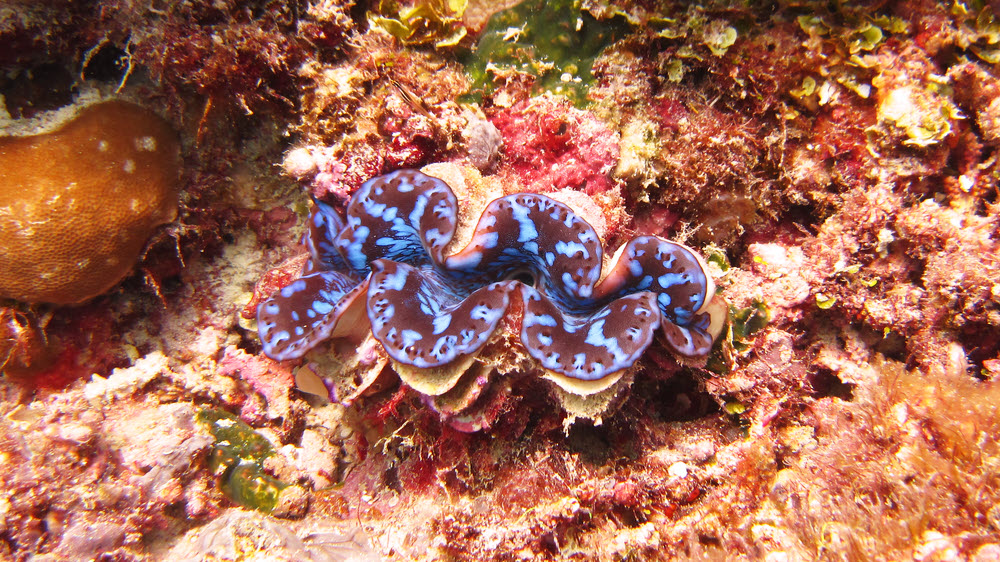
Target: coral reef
(242, 535)
(84, 484)
(836, 164)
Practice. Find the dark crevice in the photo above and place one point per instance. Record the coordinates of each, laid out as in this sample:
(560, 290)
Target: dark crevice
(825, 384)
(108, 63)
(981, 343)
(677, 398)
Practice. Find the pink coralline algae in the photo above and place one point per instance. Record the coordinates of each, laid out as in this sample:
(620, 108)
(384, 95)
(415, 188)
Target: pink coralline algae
(269, 380)
(333, 175)
(550, 145)
(429, 310)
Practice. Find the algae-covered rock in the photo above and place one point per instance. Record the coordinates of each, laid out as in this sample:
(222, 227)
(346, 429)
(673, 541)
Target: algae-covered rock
(555, 42)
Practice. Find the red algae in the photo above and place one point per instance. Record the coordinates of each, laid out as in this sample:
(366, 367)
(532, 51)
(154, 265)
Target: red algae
(550, 145)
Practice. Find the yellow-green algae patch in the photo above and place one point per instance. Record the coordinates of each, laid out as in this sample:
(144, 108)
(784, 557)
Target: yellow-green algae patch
(238, 455)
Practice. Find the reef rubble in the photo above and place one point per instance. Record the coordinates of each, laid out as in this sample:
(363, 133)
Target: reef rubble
(832, 167)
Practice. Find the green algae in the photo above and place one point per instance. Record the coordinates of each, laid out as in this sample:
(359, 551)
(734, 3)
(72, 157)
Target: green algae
(428, 22)
(734, 407)
(716, 255)
(978, 29)
(743, 324)
(238, 454)
(249, 487)
(746, 322)
(825, 302)
(556, 42)
(854, 38)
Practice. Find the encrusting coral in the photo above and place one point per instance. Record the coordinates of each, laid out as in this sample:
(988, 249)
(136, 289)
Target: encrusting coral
(78, 204)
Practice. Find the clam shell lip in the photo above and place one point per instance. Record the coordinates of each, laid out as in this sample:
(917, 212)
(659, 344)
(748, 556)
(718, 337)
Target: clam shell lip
(430, 310)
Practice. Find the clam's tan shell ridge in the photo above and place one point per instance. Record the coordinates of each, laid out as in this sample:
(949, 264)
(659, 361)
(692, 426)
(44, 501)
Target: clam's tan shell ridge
(78, 204)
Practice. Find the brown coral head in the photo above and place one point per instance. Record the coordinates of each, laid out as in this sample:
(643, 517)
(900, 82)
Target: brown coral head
(77, 204)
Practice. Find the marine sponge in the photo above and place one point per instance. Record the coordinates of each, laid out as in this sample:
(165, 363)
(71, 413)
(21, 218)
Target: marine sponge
(77, 204)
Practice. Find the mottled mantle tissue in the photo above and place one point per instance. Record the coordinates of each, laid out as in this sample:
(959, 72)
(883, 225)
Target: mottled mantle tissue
(387, 265)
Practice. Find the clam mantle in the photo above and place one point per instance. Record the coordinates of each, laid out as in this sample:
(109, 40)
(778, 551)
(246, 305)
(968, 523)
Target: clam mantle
(385, 269)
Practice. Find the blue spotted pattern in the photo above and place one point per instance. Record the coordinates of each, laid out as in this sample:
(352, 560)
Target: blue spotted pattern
(428, 309)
